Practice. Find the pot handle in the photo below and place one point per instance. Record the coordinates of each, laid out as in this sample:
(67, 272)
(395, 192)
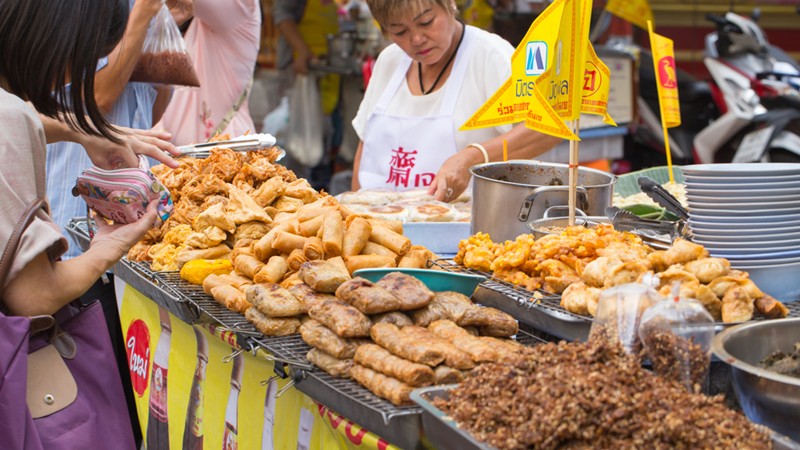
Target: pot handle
(525, 210)
(546, 214)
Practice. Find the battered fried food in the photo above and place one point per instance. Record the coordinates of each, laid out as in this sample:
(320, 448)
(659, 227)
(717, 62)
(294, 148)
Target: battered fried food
(412, 293)
(385, 387)
(272, 326)
(366, 296)
(378, 359)
(321, 337)
(343, 319)
(273, 300)
(405, 346)
(323, 276)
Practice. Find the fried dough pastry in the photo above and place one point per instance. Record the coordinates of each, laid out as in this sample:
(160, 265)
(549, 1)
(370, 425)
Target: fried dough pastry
(412, 293)
(682, 251)
(453, 356)
(393, 317)
(706, 269)
(343, 319)
(367, 297)
(241, 208)
(323, 276)
(335, 367)
(321, 337)
(378, 359)
(385, 387)
(737, 306)
(579, 298)
(272, 326)
(273, 300)
(596, 272)
(447, 375)
(205, 238)
(491, 321)
(406, 346)
(308, 296)
(771, 308)
(215, 215)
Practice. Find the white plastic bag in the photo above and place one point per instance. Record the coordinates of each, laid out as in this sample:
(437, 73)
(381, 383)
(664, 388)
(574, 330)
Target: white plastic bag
(304, 136)
(276, 122)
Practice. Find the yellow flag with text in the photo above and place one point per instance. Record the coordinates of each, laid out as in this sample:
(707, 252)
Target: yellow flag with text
(666, 78)
(596, 85)
(562, 83)
(518, 98)
(637, 12)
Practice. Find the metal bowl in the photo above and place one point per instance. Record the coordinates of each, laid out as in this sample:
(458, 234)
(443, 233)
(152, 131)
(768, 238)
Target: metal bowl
(767, 398)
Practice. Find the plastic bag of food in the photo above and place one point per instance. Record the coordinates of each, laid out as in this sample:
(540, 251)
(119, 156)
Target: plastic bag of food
(304, 134)
(164, 59)
(619, 313)
(676, 335)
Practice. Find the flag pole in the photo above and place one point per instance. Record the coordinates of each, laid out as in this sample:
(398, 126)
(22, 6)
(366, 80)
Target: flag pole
(661, 109)
(573, 172)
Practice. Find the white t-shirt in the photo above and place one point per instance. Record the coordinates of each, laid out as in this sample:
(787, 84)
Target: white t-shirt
(488, 68)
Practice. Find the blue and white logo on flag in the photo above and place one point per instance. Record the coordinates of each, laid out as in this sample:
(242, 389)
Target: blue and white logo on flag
(535, 58)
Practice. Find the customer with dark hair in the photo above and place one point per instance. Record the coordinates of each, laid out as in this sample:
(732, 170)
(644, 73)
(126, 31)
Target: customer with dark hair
(34, 68)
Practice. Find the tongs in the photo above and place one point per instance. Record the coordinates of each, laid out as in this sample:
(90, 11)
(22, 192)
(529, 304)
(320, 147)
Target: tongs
(239, 144)
(661, 232)
(662, 197)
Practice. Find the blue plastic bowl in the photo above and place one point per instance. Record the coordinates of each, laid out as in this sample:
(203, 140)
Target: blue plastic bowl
(436, 280)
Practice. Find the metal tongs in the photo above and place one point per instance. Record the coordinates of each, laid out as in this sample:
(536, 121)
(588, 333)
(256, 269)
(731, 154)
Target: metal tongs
(663, 197)
(658, 233)
(239, 144)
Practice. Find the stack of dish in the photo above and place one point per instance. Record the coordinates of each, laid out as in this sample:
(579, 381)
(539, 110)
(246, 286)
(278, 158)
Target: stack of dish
(750, 214)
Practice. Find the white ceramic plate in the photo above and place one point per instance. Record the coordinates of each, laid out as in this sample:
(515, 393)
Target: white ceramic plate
(751, 215)
(737, 255)
(736, 263)
(741, 180)
(743, 229)
(748, 236)
(738, 223)
(742, 197)
(742, 169)
(734, 185)
(767, 203)
(778, 244)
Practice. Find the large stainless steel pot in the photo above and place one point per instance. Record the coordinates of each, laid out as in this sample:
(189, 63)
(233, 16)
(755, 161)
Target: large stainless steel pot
(507, 196)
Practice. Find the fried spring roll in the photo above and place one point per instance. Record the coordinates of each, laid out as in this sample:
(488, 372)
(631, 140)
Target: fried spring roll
(771, 308)
(286, 242)
(323, 276)
(412, 293)
(343, 319)
(295, 259)
(389, 388)
(309, 297)
(368, 261)
(394, 241)
(378, 359)
(305, 214)
(273, 271)
(335, 367)
(447, 375)
(212, 281)
(453, 356)
(394, 225)
(478, 350)
(230, 297)
(371, 248)
(367, 297)
(332, 234)
(247, 265)
(491, 321)
(263, 247)
(273, 300)
(290, 281)
(416, 258)
(356, 236)
(312, 249)
(393, 317)
(310, 227)
(272, 326)
(391, 338)
(321, 337)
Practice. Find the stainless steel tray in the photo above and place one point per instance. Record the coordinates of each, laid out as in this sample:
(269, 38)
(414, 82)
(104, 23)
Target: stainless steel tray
(543, 311)
(144, 280)
(444, 434)
(399, 425)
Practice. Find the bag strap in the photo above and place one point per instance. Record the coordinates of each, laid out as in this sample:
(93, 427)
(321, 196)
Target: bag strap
(16, 237)
(226, 119)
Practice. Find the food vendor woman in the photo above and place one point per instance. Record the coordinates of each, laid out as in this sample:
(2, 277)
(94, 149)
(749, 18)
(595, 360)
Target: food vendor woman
(424, 86)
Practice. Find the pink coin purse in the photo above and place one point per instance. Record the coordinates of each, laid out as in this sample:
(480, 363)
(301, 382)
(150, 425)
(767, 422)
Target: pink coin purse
(122, 195)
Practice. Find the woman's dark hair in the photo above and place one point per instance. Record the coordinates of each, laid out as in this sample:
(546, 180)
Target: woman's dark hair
(45, 44)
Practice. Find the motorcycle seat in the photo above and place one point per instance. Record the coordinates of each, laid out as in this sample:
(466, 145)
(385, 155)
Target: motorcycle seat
(693, 90)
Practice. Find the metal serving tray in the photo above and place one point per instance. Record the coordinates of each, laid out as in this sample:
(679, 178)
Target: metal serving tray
(443, 432)
(143, 279)
(400, 425)
(543, 311)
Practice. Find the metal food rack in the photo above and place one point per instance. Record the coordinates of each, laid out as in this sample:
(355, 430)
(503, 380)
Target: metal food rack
(542, 310)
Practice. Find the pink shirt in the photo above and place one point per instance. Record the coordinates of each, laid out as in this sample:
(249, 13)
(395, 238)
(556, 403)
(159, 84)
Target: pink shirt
(223, 41)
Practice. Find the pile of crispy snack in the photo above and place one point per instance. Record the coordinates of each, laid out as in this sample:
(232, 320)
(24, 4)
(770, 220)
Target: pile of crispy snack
(581, 261)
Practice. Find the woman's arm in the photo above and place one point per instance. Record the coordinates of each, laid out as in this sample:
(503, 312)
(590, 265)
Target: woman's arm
(522, 143)
(43, 286)
(354, 185)
(110, 81)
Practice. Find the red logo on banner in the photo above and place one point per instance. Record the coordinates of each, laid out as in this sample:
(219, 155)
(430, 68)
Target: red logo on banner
(666, 72)
(137, 344)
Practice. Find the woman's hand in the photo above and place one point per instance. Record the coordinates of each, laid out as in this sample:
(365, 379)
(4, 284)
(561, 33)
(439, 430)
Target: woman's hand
(109, 155)
(452, 178)
(119, 238)
(181, 10)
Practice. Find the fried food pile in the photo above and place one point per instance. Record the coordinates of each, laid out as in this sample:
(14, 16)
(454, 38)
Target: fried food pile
(591, 396)
(580, 262)
(393, 335)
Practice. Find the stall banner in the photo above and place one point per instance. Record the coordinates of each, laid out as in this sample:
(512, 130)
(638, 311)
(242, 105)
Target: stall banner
(666, 75)
(637, 12)
(518, 99)
(194, 390)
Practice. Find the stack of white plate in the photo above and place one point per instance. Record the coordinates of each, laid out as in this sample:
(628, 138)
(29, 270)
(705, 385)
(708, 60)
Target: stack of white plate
(750, 214)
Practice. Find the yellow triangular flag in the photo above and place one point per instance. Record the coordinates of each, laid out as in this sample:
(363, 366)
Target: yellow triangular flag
(666, 79)
(596, 84)
(562, 84)
(512, 101)
(637, 12)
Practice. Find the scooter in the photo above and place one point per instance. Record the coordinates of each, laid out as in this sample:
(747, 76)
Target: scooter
(756, 90)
